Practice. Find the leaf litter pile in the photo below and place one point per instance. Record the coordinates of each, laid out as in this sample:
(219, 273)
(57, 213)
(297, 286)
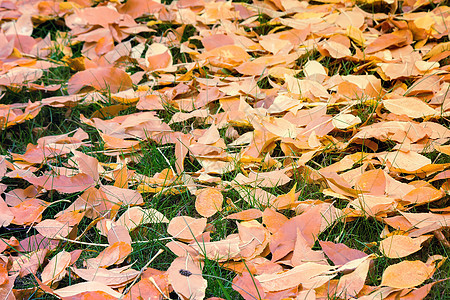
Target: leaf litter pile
(255, 137)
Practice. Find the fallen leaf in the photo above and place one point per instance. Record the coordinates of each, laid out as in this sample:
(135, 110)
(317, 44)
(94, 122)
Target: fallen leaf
(340, 254)
(222, 250)
(114, 254)
(208, 202)
(118, 234)
(55, 270)
(254, 238)
(86, 287)
(186, 228)
(53, 229)
(410, 106)
(107, 79)
(397, 246)
(186, 278)
(114, 278)
(406, 274)
(248, 286)
(62, 183)
(246, 215)
(351, 284)
(309, 275)
(136, 216)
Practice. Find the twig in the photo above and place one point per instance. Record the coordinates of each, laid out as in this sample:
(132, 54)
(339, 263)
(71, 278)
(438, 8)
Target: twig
(79, 242)
(153, 240)
(441, 238)
(167, 161)
(58, 237)
(158, 288)
(140, 273)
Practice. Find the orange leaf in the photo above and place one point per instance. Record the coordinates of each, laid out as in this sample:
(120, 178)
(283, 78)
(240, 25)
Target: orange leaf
(6, 215)
(222, 250)
(53, 229)
(62, 183)
(423, 195)
(114, 278)
(273, 219)
(137, 8)
(153, 282)
(186, 228)
(87, 164)
(387, 40)
(118, 234)
(406, 274)
(28, 211)
(108, 79)
(246, 215)
(285, 201)
(208, 202)
(340, 254)
(55, 270)
(114, 254)
(248, 286)
(122, 196)
(351, 284)
(3, 275)
(283, 241)
(97, 289)
(309, 275)
(136, 216)
(397, 246)
(254, 238)
(6, 289)
(226, 56)
(186, 278)
(92, 295)
(410, 106)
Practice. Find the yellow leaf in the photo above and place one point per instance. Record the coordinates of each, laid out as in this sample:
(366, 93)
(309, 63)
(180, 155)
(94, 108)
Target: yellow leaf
(356, 35)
